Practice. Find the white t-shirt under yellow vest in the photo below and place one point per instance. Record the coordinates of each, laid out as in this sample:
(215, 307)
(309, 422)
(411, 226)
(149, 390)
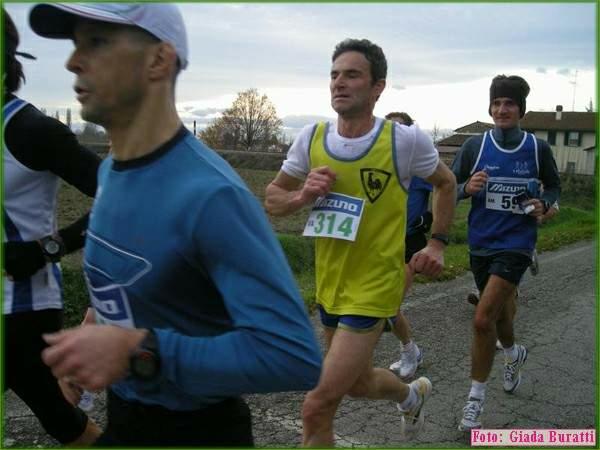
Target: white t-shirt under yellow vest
(365, 276)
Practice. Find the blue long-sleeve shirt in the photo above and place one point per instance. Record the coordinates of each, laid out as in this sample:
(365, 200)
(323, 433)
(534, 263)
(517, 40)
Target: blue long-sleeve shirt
(178, 244)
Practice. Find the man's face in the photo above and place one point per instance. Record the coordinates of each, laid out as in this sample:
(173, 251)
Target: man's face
(505, 112)
(351, 87)
(110, 62)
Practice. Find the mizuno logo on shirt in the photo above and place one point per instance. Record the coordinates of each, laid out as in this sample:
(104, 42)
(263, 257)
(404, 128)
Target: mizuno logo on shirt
(505, 188)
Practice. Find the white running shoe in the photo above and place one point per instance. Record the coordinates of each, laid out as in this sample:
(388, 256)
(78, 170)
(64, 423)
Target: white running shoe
(512, 371)
(499, 345)
(471, 413)
(412, 420)
(534, 267)
(407, 365)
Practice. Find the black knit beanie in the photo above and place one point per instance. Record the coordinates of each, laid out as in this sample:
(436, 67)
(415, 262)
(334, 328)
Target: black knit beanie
(513, 87)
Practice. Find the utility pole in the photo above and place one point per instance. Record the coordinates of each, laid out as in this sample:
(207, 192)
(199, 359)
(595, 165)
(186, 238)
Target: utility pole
(574, 83)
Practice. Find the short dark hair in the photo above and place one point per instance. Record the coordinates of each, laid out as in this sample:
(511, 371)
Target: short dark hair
(372, 52)
(406, 119)
(12, 66)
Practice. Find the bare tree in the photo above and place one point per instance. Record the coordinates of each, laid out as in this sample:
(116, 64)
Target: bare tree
(214, 134)
(435, 133)
(92, 134)
(251, 123)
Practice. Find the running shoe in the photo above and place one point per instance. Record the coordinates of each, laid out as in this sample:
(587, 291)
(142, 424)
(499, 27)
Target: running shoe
(512, 370)
(471, 413)
(412, 420)
(473, 297)
(406, 366)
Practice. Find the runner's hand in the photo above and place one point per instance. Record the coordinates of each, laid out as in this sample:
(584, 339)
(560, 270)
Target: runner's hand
(476, 183)
(430, 260)
(92, 356)
(318, 183)
(539, 207)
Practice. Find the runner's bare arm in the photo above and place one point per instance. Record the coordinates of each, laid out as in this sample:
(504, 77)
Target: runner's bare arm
(430, 260)
(286, 194)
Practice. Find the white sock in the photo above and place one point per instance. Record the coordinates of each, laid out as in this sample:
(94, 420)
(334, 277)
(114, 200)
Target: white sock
(410, 400)
(511, 353)
(477, 390)
(409, 347)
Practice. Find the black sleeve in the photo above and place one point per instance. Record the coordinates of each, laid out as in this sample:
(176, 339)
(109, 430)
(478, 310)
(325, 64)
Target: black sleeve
(464, 162)
(73, 236)
(43, 143)
(548, 173)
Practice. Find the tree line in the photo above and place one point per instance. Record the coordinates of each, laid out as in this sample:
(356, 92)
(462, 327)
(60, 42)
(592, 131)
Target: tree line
(250, 123)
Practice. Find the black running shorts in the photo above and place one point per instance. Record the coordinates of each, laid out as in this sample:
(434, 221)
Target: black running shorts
(133, 424)
(509, 266)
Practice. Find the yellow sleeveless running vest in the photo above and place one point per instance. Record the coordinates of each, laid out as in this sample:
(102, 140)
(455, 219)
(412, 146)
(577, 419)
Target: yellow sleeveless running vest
(364, 277)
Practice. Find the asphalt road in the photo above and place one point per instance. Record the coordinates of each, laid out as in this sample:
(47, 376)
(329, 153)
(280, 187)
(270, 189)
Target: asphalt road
(555, 321)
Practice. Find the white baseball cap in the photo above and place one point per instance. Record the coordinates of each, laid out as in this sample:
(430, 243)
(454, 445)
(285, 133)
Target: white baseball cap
(162, 20)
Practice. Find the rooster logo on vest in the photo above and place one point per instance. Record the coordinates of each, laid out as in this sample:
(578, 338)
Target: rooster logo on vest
(374, 182)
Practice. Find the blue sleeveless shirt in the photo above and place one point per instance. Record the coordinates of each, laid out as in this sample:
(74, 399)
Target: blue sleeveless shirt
(496, 221)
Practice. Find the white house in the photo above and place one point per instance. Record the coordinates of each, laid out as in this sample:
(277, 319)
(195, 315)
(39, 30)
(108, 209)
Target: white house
(571, 135)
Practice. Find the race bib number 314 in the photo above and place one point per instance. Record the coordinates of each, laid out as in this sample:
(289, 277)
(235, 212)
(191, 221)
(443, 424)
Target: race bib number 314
(335, 216)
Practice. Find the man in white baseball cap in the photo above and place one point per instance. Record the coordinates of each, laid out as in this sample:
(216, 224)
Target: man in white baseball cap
(162, 20)
(193, 302)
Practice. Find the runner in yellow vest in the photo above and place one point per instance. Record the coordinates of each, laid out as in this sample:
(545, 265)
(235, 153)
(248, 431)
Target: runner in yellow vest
(355, 174)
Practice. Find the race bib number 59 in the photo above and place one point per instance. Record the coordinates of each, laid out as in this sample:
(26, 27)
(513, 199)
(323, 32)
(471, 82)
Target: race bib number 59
(501, 193)
(335, 216)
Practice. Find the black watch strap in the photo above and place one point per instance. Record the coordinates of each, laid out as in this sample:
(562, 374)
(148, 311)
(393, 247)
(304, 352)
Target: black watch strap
(441, 237)
(144, 362)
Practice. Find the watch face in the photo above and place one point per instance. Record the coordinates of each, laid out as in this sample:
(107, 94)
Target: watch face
(143, 364)
(52, 247)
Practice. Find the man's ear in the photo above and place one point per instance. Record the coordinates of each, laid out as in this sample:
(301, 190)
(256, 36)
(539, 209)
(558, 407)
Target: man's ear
(164, 61)
(378, 87)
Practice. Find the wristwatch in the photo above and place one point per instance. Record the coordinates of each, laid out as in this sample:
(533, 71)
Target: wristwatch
(443, 238)
(546, 206)
(52, 248)
(144, 362)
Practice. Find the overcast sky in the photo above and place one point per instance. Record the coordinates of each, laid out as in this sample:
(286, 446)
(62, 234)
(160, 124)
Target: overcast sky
(441, 57)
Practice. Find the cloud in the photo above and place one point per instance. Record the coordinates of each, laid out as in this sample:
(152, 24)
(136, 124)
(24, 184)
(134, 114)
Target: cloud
(203, 112)
(281, 49)
(302, 121)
